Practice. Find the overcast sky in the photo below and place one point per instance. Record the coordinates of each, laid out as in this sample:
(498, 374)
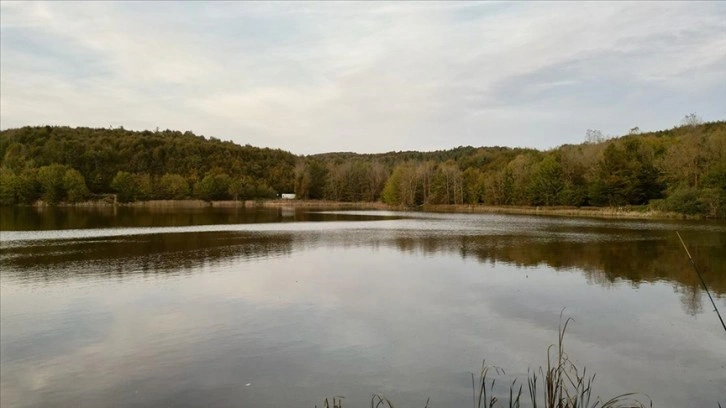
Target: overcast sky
(365, 77)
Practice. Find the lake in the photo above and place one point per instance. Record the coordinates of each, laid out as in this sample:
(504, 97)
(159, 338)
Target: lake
(282, 307)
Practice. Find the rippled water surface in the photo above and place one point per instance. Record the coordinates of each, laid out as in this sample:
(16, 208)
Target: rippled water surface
(283, 307)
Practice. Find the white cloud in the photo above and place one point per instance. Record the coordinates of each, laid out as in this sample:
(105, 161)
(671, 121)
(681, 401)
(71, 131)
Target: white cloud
(314, 77)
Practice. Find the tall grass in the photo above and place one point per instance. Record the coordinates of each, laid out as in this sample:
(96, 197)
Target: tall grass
(560, 384)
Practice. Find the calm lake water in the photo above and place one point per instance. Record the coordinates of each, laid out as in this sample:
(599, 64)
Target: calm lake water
(282, 307)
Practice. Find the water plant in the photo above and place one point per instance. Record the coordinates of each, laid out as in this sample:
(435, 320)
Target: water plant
(559, 384)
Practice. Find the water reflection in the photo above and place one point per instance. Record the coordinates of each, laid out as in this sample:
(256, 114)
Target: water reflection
(59, 218)
(156, 254)
(401, 305)
(635, 258)
(603, 262)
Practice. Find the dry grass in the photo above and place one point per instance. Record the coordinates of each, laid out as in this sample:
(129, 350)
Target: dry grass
(367, 205)
(600, 212)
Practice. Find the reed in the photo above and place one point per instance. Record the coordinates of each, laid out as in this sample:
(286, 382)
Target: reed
(560, 384)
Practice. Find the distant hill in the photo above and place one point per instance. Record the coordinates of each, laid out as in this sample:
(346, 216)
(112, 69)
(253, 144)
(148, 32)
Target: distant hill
(681, 169)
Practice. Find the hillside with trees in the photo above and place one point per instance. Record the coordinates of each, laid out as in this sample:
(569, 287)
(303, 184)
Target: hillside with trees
(135, 165)
(682, 169)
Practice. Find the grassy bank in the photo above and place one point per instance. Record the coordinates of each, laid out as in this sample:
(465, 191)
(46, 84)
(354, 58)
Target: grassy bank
(192, 203)
(627, 212)
(600, 212)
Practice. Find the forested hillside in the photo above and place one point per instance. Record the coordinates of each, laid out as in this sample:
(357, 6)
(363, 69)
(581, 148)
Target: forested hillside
(39, 162)
(682, 169)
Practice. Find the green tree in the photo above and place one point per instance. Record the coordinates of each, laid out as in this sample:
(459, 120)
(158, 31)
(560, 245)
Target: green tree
(214, 186)
(318, 174)
(610, 185)
(143, 187)
(262, 190)
(575, 163)
(547, 183)
(173, 187)
(402, 186)
(237, 188)
(391, 194)
(643, 177)
(75, 186)
(712, 202)
(27, 189)
(51, 183)
(15, 158)
(8, 187)
(716, 177)
(447, 184)
(125, 186)
(474, 186)
(500, 187)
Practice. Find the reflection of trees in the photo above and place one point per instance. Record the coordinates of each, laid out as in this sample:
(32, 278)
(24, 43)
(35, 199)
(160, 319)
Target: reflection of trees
(146, 254)
(603, 262)
(630, 256)
(691, 299)
(30, 218)
(53, 218)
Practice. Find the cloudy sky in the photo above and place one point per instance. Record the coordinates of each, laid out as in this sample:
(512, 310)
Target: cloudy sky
(366, 77)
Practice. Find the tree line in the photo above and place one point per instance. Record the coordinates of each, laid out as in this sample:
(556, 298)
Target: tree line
(682, 169)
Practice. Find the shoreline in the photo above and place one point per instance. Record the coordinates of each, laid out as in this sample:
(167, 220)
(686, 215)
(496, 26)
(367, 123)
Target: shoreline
(596, 212)
(563, 211)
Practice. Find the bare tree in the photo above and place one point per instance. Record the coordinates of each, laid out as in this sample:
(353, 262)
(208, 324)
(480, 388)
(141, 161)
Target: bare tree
(302, 179)
(593, 136)
(692, 119)
(425, 174)
(375, 180)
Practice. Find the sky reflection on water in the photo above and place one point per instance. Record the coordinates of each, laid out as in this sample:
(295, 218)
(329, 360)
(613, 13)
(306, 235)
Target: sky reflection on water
(406, 307)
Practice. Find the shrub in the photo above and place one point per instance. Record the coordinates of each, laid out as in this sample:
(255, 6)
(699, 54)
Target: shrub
(685, 201)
